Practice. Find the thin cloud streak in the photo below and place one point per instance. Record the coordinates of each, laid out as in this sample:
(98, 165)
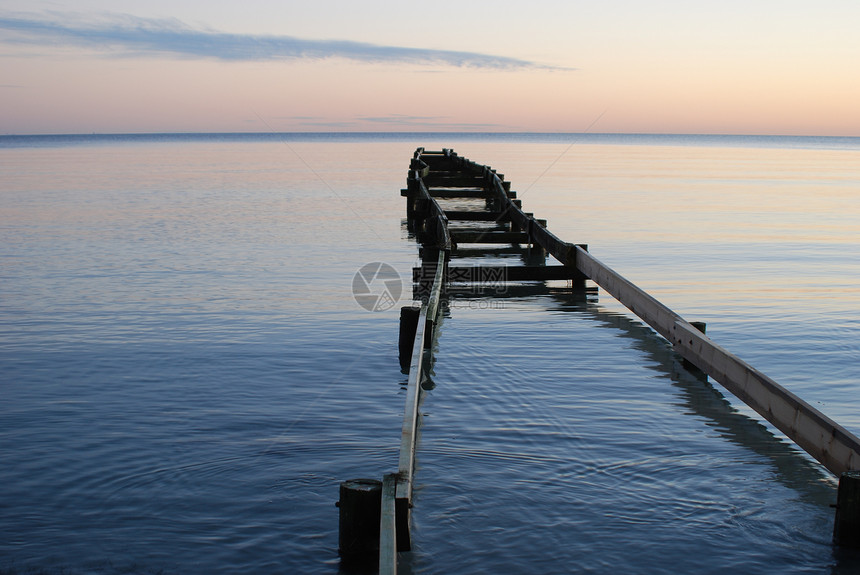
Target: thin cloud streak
(396, 122)
(431, 123)
(138, 36)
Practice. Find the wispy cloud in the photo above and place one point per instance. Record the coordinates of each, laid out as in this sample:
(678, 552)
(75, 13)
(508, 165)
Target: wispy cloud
(130, 36)
(429, 123)
(404, 119)
(395, 122)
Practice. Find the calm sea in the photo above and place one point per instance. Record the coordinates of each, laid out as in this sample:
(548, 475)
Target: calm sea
(186, 377)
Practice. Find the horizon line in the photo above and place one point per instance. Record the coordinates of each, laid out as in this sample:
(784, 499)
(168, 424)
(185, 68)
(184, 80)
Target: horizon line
(408, 132)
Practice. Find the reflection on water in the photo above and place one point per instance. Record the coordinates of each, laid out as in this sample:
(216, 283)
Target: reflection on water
(701, 398)
(635, 452)
(186, 376)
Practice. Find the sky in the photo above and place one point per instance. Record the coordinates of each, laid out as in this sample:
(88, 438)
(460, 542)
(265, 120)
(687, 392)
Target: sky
(618, 66)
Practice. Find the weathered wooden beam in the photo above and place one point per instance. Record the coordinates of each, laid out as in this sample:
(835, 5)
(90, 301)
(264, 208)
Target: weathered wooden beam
(438, 227)
(452, 193)
(388, 527)
(517, 273)
(464, 192)
(479, 237)
(408, 434)
(473, 215)
(483, 250)
(439, 158)
(403, 489)
(475, 179)
(458, 192)
(832, 445)
(435, 295)
(498, 275)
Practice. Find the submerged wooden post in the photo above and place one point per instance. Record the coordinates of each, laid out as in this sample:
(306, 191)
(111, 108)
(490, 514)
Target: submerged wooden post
(846, 530)
(689, 365)
(579, 282)
(358, 537)
(408, 324)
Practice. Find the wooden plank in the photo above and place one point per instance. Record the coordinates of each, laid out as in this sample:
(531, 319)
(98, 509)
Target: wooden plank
(497, 275)
(388, 527)
(832, 445)
(484, 250)
(438, 157)
(435, 295)
(408, 433)
(448, 193)
(410, 416)
(490, 237)
(403, 489)
(464, 192)
(464, 189)
(473, 215)
(443, 181)
(825, 440)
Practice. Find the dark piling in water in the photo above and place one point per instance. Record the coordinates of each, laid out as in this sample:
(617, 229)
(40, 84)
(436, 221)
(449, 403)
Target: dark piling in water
(360, 508)
(846, 530)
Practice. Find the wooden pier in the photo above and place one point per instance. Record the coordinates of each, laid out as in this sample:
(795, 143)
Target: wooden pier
(445, 175)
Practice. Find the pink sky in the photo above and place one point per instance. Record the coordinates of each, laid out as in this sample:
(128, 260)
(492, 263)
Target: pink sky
(778, 68)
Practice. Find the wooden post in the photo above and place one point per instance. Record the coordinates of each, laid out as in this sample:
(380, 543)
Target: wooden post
(360, 503)
(846, 529)
(577, 284)
(689, 365)
(534, 245)
(408, 325)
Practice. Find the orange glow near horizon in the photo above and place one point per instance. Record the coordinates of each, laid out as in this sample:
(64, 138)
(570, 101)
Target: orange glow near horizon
(637, 74)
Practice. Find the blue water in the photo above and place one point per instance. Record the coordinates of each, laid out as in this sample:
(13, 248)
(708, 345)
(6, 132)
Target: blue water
(185, 376)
